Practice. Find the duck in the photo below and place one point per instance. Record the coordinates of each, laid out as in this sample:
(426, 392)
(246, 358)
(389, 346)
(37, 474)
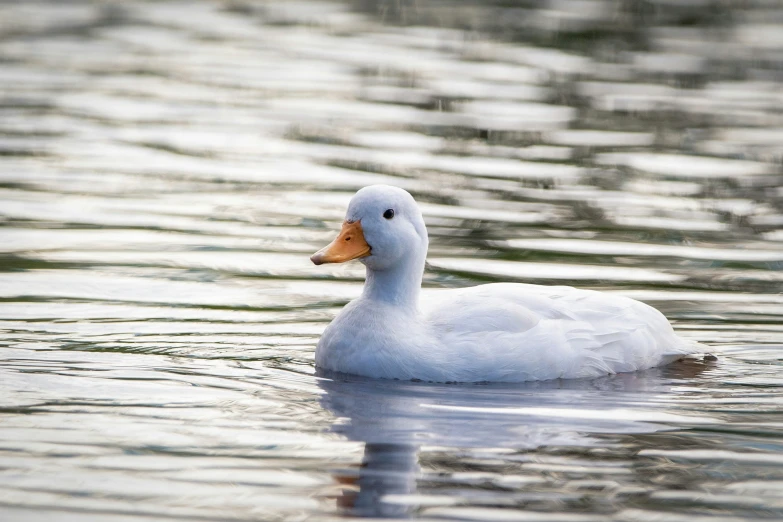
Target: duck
(497, 332)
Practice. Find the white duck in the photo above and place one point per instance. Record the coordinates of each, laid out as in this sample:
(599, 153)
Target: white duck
(502, 332)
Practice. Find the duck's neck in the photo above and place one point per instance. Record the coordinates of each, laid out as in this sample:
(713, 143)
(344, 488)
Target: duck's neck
(399, 285)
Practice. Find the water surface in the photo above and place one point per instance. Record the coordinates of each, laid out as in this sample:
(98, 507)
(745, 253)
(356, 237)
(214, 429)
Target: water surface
(167, 168)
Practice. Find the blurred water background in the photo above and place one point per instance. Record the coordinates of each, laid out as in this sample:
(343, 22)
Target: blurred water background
(166, 169)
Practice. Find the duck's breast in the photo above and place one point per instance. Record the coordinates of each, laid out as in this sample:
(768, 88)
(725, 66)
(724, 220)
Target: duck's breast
(378, 340)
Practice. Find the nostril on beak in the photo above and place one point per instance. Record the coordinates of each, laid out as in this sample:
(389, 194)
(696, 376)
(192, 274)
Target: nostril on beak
(348, 238)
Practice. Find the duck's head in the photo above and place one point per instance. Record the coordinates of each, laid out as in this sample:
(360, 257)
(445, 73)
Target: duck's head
(383, 226)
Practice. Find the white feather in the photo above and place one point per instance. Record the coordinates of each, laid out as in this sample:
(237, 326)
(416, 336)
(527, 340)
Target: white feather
(497, 332)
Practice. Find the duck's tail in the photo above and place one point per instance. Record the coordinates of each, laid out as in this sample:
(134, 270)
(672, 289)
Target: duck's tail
(685, 348)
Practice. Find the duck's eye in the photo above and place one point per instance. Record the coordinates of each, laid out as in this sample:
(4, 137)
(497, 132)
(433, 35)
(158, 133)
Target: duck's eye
(389, 213)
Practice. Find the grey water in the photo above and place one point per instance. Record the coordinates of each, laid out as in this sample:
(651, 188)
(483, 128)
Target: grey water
(167, 168)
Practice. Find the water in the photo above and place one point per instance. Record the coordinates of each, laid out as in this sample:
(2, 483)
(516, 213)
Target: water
(167, 168)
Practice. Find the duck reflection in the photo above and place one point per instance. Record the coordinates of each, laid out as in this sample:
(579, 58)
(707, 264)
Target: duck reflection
(395, 419)
(386, 470)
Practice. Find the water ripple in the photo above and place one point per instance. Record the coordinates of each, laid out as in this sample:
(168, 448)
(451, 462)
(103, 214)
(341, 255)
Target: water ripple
(168, 167)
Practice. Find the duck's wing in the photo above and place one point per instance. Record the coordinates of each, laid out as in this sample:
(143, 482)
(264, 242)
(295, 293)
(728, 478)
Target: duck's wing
(550, 332)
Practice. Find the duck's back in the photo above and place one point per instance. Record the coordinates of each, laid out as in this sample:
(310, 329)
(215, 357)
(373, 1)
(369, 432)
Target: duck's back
(518, 332)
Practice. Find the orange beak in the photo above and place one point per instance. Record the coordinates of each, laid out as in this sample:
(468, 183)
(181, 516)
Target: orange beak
(349, 244)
